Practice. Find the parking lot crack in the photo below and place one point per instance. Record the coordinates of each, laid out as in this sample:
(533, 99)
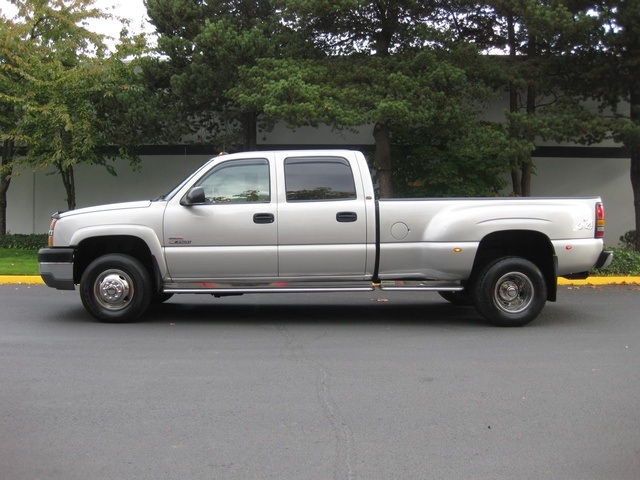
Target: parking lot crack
(345, 453)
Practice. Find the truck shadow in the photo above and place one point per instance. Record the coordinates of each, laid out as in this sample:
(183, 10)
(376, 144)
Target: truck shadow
(417, 313)
(256, 310)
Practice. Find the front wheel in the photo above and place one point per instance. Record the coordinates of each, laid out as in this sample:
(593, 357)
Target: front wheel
(116, 288)
(510, 292)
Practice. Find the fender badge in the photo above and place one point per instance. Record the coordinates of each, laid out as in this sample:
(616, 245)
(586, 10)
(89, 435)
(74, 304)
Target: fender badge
(585, 224)
(178, 241)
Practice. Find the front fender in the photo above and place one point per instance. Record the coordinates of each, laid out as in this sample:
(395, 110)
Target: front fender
(144, 233)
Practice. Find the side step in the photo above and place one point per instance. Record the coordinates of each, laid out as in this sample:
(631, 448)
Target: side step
(420, 286)
(279, 287)
(311, 287)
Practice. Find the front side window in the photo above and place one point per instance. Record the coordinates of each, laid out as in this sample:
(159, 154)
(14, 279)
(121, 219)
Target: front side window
(318, 178)
(243, 181)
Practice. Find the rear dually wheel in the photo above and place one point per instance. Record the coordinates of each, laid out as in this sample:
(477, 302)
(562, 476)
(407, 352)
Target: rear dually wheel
(510, 292)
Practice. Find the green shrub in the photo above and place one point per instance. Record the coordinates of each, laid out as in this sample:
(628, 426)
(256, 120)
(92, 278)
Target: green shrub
(24, 242)
(628, 240)
(625, 262)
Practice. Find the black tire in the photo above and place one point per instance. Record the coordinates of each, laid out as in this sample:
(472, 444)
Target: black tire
(510, 292)
(116, 288)
(462, 299)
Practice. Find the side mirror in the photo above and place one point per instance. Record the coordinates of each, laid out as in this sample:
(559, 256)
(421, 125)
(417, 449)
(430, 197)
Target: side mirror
(195, 196)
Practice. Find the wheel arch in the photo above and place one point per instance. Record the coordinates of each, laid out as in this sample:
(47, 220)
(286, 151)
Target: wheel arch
(92, 248)
(531, 245)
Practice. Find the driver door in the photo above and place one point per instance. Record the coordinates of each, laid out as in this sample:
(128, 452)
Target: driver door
(233, 234)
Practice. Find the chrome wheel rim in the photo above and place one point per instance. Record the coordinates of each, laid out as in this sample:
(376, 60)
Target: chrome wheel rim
(113, 289)
(514, 293)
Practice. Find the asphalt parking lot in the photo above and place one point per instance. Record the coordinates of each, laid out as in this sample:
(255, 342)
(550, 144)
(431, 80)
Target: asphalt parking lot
(360, 386)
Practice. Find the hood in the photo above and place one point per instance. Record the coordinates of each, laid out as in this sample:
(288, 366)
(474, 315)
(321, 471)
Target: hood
(105, 208)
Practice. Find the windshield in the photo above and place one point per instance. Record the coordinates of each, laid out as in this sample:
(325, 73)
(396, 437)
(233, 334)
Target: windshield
(177, 188)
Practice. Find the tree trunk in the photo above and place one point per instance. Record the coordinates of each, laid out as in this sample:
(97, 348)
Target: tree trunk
(384, 167)
(516, 178)
(5, 181)
(527, 164)
(525, 181)
(250, 131)
(69, 185)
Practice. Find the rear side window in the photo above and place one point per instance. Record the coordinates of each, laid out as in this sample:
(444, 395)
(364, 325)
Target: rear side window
(318, 178)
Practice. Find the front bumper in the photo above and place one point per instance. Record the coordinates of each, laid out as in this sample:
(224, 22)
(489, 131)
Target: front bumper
(56, 267)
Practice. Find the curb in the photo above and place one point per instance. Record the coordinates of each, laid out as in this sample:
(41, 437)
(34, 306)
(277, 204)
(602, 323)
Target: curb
(37, 280)
(601, 281)
(21, 280)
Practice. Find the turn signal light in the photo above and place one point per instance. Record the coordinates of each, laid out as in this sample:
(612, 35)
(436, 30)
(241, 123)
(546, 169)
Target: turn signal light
(600, 221)
(51, 228)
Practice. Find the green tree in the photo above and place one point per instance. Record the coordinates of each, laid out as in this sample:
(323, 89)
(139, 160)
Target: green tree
(380, 40)
(76, 102)
(428, 101)
(610, 67)
(376, 69)
(6, 168)
(538, 37)
(205, 43)
(467, 160)
(8, 93)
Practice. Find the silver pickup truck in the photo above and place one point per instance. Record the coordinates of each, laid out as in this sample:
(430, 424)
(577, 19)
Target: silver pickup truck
(307, 221)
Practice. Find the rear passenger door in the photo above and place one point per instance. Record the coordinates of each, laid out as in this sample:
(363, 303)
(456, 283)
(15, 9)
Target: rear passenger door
(322, 222)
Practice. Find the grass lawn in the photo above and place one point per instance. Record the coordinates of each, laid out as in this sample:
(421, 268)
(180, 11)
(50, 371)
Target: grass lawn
(18, 262)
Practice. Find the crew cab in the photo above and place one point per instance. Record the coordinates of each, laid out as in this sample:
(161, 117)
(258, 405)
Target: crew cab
(308, 221)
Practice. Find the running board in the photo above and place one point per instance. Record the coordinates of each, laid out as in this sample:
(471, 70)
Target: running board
(420, 286)
(239, 291)
(279, 287)
(312, 287)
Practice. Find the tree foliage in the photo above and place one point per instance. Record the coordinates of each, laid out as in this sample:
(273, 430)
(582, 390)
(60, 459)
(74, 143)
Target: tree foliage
(534, 39)
(465, 162)
(8, 117)
(205, 43)
(611, 67)
(381, 64)
(72, 100)
(417, 73)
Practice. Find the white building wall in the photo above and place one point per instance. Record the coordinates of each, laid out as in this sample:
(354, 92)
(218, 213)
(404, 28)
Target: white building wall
(578, 177)
(34, 196)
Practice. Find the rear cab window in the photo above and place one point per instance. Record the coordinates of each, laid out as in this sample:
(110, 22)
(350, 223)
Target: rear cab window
(313, 179)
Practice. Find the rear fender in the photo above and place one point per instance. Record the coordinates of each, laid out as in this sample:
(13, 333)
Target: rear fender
(534, 246)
